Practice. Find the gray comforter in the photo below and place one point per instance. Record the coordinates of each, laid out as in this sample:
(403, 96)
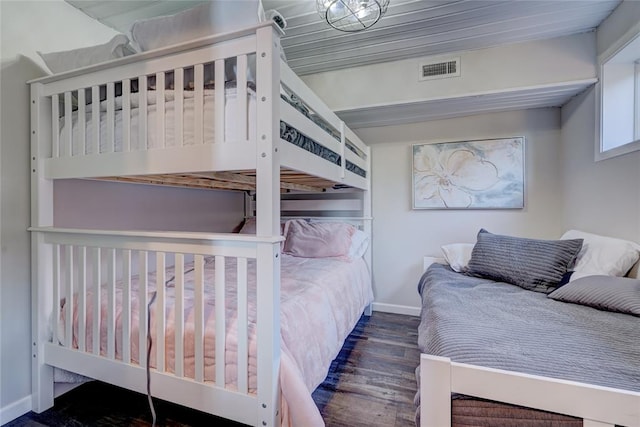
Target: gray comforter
(498, 325)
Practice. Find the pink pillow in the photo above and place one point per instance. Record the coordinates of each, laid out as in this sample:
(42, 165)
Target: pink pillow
(249, 227)
(317, 239)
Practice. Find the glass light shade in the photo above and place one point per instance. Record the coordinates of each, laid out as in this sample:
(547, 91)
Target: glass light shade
(351, 15)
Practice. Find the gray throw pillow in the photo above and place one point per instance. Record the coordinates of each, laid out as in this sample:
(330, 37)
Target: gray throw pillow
(619, 294)
(532, 264)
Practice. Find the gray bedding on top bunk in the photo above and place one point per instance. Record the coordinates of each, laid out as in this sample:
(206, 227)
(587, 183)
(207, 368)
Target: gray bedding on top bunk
(498, 325)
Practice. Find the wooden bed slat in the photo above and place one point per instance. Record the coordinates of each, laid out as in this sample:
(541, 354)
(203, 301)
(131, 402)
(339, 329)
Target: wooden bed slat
(126, 306)
(178, 81)
(220, 320)
(68, 141)
(55, 126)
(56, 290)
(68, 341)
(97, 279)
(198, 319)
(82, 122)
(143, 282)
(218, 119)
(142, 112)
(82, 299)
(227, 181)
(198, 104)
(111, 303)
(111, 121)
(241, 96)
(243, 352)
(160, 110)
(160, 310)
(179, 315)
(95, 118)
(126, 115)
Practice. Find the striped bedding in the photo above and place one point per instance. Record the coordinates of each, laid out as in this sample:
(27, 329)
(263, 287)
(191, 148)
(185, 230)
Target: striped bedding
(498, 325)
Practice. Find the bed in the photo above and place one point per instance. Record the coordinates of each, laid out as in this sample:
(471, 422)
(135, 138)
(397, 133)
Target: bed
(173, 116)
(495, 353)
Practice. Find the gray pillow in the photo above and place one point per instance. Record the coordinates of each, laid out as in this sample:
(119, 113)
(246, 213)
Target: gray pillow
(535, 265)
(619, 294)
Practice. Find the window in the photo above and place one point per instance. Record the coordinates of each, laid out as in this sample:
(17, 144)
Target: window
(619, 98)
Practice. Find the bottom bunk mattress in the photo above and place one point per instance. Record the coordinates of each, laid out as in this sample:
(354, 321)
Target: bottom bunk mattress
(321, 301)
(499, 325)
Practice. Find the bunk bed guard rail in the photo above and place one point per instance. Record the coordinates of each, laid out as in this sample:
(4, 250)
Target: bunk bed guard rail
(129, 277)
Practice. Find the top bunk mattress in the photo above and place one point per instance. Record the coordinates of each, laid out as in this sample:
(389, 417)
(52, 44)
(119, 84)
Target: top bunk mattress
(235, 129)
(499, 325)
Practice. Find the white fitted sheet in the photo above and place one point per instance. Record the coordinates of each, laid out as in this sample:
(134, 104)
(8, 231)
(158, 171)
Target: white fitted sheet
(235, 127)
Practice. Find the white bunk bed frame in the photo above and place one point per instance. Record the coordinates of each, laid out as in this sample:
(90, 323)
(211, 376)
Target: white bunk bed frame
(97, 256)
(597, 406)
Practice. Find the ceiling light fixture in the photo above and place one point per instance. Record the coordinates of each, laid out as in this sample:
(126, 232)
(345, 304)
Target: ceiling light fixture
(351, 15)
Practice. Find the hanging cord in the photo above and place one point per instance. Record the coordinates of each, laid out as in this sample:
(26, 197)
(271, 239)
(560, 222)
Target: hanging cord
(150, 344)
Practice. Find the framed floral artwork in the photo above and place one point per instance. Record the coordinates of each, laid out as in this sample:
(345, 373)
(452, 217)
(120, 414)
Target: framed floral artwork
(477, 174)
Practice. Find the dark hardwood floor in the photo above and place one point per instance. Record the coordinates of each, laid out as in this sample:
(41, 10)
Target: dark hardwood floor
(371, 383)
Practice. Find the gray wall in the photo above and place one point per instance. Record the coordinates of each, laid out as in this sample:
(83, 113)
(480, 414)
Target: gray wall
(600, 197)
(145, 207)
(24, 27)
(402, 236)
(604, 196)
(15, 296)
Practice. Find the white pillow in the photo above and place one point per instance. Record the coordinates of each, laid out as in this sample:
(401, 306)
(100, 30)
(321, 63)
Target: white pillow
(359, 244)
(601, 255)
(203, 20)
(59, 62)
(634, 273)
(214, 17)
(457, 255)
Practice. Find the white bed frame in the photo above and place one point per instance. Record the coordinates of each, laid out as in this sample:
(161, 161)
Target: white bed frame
(597, 406)
(96, 256)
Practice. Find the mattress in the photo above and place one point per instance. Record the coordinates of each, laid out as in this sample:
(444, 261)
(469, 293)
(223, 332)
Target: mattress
(498, 325)
(235, 129)
(232, 123)
(321, 301)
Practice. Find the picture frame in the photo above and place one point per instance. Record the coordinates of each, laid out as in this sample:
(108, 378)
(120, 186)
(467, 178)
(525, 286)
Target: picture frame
(473, 174)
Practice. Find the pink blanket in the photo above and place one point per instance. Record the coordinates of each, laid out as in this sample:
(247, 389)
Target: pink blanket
(321, 301)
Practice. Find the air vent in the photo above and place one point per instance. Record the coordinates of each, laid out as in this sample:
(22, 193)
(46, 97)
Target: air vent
(449, 67)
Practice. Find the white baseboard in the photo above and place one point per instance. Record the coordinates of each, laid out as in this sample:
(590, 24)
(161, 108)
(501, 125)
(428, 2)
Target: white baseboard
(15, 410)
(396, 309)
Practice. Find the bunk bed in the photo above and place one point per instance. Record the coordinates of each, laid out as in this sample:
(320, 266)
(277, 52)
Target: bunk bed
(495, 353)
(172, 116)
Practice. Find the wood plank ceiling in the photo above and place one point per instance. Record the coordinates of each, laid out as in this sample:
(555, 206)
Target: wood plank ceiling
(409, 29)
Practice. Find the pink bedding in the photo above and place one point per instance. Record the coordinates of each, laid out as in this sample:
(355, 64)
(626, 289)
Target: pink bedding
(321, 301)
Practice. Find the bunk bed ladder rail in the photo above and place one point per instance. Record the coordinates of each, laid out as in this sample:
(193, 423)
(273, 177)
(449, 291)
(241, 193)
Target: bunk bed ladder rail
(120, 273)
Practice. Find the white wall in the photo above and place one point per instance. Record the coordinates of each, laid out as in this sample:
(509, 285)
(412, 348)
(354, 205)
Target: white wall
(602, 197)
(557, 60)
(402, 236)
(28, 26)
